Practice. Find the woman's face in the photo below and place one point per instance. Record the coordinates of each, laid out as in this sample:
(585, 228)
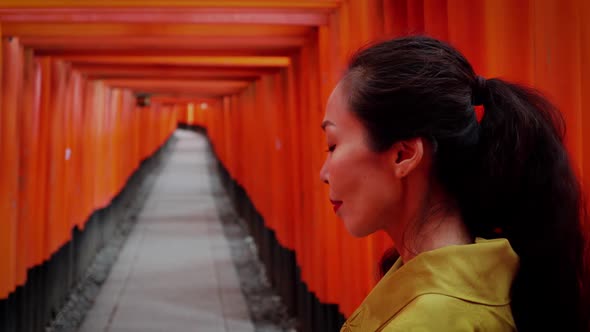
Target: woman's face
(363, 187)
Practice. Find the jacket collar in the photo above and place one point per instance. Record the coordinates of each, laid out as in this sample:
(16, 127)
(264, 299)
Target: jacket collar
(480, 273)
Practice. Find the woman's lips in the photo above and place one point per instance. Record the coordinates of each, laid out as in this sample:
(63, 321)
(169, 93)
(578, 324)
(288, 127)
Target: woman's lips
(336, 204)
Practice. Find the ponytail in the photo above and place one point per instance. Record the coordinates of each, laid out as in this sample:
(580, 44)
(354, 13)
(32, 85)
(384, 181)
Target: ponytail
(524, 189)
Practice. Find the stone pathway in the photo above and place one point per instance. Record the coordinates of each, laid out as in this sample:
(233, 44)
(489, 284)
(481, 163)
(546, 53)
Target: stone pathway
(175, 272)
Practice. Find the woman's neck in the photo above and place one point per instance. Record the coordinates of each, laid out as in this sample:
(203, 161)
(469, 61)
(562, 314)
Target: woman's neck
(435, 233)
(430, 220)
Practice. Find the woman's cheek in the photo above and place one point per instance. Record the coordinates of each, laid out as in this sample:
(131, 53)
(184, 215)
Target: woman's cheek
(340, 173)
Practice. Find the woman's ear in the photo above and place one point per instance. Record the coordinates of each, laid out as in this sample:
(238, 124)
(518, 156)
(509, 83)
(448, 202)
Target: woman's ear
(406, 156)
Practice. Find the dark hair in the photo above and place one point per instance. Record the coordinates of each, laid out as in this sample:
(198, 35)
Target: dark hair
(508, 174)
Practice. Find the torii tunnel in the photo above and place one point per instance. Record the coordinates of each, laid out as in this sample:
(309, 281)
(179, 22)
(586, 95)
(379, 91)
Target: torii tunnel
(180, 109)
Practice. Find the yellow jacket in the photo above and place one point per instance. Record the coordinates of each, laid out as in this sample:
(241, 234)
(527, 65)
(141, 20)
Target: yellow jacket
(455, 288)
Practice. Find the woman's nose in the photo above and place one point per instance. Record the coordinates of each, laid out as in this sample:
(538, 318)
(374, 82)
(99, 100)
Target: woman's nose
(324, 174)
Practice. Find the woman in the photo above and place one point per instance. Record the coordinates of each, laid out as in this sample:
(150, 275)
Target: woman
(485, 215)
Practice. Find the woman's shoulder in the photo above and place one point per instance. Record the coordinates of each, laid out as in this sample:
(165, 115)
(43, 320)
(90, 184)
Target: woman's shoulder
(439, 312)
(456, 288)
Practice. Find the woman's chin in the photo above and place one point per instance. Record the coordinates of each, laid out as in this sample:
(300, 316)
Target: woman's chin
(357, 230)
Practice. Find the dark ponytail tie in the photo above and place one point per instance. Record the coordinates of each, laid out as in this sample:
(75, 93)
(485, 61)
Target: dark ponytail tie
(480, 91)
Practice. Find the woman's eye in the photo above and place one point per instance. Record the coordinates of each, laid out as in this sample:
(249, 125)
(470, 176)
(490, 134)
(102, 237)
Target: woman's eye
(331, 148)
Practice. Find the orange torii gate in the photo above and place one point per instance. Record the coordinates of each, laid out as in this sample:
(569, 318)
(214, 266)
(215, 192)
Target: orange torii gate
(70, 70)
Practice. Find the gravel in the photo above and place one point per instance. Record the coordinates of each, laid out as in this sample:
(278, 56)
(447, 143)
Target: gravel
(267, 311)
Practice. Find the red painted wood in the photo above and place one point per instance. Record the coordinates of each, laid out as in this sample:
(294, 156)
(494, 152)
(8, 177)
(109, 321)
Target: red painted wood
(167, 15)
